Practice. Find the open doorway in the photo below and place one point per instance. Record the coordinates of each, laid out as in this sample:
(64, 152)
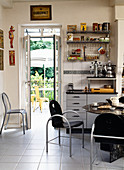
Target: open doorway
(42, 59)
(42, 72)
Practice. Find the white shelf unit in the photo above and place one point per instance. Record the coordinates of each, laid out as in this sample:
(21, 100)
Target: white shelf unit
(113, 79)
(89, 48)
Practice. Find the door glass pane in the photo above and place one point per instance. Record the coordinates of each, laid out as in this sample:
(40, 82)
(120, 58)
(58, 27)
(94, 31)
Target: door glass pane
(42, 67)
(51, 31)
(32, 32)
(57, 70)
(25, 79)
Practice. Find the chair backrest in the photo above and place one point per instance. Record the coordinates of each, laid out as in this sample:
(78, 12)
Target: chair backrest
(37, 92)
(55, 108)
(109, 124)
(6, 102)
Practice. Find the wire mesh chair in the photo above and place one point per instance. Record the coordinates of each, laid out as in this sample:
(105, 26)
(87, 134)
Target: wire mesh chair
(9, 111)
(39, 99)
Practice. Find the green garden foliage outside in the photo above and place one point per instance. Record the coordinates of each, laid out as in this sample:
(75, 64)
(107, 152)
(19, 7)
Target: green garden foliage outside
(37, 73)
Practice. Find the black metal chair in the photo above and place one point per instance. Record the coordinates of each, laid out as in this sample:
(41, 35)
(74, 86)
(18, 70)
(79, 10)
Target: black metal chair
(9, 111)
(108, 130)
(60, 121)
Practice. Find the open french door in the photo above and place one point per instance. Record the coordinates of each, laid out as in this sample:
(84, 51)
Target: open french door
(57, 68)
(25, 89)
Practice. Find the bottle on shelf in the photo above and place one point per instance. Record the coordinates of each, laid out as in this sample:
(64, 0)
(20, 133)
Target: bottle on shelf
(123, 80)
(123, 73)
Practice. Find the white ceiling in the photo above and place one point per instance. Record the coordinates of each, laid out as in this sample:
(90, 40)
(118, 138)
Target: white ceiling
(9, 3)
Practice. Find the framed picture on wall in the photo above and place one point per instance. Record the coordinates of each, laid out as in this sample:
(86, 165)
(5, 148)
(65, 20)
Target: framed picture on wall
(12, 57)
(71, 28)
(40, 12)
(1, 39)
(1, 60)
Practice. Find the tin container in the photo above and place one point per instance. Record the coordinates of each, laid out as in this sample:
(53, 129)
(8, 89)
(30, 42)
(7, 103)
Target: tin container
(69, 37)
(106, 26)
(83, 26)
(100, 27)
(95, 26)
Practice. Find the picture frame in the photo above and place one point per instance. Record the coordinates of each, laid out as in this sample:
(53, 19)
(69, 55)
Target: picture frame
(1, 39)
(71, 28)
(12, 57)
(40, 12)
(1, 60)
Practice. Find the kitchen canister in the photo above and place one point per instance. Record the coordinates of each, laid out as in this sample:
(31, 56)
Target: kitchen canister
(106, 26)
(95, 26)
(100, 27)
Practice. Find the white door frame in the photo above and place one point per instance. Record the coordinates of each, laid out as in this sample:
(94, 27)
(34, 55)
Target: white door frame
(21, 28)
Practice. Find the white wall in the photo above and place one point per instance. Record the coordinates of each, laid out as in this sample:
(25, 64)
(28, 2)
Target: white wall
(119, 12)
(1, 72)
(64, 13)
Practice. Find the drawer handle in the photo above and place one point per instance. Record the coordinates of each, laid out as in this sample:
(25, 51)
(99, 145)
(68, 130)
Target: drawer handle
(75, 116)
(76, 109)
(76, 96)
(76, 103)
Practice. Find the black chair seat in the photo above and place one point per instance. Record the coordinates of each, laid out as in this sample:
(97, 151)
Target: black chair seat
(60, 121)
(73, 124)
(108, 130)
(109, 125)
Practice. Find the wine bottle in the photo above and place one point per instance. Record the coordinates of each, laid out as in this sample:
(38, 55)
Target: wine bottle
(123, 73)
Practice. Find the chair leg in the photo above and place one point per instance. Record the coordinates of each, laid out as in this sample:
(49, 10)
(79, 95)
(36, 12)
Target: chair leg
(70, 141)
(23, 124)
(91, 153)
(59, 136)
(3, 124)
(26, 121)
(35, 105)
(83, 135)
(47, 137)
(91, 149)
(41, 104)
(7, 121)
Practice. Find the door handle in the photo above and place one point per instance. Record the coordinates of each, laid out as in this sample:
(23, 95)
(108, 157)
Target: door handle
(27, 82)
(76, 97)
(75, 116)
(76, 109)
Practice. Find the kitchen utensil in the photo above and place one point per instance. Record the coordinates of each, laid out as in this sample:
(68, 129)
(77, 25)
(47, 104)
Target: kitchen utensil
(109, 72)
(95, 104)
(84, 52)
(70, 86)
(109, 101)
(95, 69)
(101, 50)
(115, 101)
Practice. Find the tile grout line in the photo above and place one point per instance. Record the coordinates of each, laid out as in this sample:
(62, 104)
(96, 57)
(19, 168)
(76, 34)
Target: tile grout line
(61, 160)
(24, 152)
(41, 158)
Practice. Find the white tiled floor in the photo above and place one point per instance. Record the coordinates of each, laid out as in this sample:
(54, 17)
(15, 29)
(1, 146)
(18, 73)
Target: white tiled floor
(27, 152)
